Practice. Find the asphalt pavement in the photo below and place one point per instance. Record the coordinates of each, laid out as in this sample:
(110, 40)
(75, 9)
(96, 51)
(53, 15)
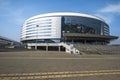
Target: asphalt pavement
(35, 65)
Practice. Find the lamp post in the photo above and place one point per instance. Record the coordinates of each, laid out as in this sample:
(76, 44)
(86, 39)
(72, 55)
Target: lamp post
(36, 36)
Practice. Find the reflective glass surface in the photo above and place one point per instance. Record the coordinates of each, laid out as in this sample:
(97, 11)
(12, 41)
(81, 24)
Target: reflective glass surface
(73, 24)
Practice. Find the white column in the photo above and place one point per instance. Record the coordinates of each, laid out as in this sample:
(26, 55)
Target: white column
(46, 47)
(59, 48)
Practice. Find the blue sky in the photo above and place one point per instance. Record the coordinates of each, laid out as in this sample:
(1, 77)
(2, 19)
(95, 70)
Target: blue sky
(13, 13)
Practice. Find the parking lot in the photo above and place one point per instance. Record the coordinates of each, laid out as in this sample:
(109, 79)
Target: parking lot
(55, 65)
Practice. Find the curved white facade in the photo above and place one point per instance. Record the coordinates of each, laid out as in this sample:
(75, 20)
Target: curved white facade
(48, 26)
(65, 14)
(41, 28)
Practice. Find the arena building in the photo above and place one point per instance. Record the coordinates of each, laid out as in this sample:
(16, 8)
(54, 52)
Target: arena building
(65, 27)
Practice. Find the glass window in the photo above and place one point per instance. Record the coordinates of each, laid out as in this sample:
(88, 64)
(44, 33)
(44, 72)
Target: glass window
(75, 24)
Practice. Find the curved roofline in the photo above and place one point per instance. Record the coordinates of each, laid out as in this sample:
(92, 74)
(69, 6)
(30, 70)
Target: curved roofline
(66, 14)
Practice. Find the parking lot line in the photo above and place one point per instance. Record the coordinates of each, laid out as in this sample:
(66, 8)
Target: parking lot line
(44, 75)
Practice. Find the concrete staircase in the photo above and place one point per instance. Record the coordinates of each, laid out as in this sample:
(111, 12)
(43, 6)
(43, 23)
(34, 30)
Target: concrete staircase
(70, 48)
(98, 49)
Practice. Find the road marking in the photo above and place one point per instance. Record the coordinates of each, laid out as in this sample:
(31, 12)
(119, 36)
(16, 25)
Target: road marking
(44, 75)
(65, 72)
(52, 58)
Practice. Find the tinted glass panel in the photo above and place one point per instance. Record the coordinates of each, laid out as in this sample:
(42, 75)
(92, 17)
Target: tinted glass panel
(73, 24)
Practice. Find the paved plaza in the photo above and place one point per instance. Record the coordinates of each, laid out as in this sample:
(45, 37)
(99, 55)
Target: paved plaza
(52, 65)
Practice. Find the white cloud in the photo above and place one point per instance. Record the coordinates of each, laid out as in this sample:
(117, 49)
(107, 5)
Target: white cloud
(108, 18)
(111, 8)
(109, 12)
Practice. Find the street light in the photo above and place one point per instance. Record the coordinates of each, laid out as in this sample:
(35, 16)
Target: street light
(36, 36)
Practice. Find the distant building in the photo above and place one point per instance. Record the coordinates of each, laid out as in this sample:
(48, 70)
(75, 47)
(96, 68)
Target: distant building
(8, 43)
(66, 27)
